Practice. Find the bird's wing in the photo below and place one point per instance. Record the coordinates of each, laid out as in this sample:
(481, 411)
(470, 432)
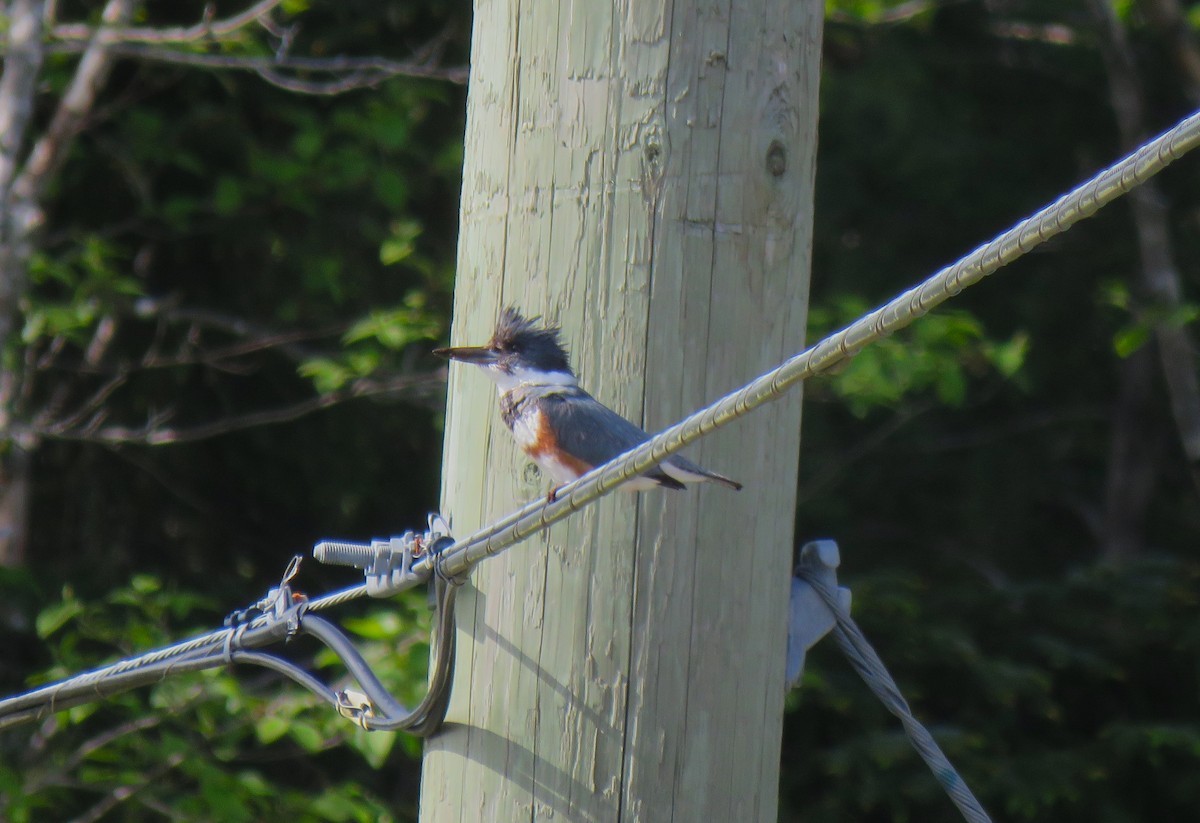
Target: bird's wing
(590, 431)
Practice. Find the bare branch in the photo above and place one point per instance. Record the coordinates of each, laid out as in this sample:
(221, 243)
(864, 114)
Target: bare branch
(220, 357)
(102, 338)
(356, 80)
(255, 337)
(206, 29)
(351, 72)
(18, 87)
(155, 432)
(864, 447)
(122, 793)
(88, 747)
(1054, 34)
(896, 14)
(22, 61)
(88, 409)
(76, 104)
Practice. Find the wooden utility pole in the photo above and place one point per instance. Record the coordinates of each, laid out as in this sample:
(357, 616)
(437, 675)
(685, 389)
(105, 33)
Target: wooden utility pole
(640, 173)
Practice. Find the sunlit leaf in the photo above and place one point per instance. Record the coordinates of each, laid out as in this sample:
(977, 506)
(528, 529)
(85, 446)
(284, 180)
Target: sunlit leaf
(1130, 339)
(53, 618)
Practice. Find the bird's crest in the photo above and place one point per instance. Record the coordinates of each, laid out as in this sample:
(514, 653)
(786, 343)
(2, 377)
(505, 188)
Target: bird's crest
(538, 345)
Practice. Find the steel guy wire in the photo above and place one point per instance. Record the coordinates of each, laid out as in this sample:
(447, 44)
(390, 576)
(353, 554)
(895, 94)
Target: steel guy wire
(458, 558)
(1083, 201)
(866, 662)
(379, 711)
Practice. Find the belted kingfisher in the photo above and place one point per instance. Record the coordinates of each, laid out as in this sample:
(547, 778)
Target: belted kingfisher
(562, 428)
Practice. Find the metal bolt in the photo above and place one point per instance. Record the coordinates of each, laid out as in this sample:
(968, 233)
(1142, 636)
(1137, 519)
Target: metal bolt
(359, 555)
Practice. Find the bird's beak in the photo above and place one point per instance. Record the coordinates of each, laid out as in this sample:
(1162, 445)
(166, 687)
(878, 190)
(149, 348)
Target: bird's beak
(479, 355)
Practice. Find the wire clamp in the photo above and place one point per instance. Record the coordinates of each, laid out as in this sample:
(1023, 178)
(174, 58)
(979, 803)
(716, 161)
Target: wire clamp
(809, 619)
(440, 540)
(388, 564)
(280, 604)
(356, 706)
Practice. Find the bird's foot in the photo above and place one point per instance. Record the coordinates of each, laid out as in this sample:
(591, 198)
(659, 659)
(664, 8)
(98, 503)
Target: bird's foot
(553, 495)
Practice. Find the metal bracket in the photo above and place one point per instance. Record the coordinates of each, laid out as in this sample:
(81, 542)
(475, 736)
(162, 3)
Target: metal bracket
(355, 705)
(280, 603)
(388, 564)
(809, 619)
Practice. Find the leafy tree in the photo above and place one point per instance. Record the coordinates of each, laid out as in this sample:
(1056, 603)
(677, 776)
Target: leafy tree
(1012, 491)
(161, 279)
(224, 745)
(213, 252)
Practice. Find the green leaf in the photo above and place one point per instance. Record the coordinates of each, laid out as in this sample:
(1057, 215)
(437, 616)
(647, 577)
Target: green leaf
(307, 144)
(374, 746)
(144, 584)
(378, 626)
(1009, 356)
(951, 387)
(270, 728)
(53, 618)
(307, 735)
(400, 243)
(328, 375)
(392, 190)
(397, 327)
(1182, 315)
(227, 196)
(1130, 339)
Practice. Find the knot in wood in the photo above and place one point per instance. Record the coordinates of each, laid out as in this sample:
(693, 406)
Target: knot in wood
(776, 159)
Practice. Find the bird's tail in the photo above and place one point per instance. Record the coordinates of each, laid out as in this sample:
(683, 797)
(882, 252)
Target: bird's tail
(723, 480)
(686, 471)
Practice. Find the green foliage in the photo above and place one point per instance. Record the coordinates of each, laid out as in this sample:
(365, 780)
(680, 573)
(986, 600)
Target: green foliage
(964, 466)
(75, 288)
(1038, 692)
(939, 355)
(307, 241)
(219, 745)
(1140, 321)
(369, 341)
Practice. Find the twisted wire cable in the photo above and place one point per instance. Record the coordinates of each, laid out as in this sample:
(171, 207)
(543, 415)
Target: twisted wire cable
(1083, 201)
(458, 559)
(866, 662)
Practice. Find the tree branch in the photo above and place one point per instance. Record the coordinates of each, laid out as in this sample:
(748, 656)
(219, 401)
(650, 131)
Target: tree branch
(1054, 34)
(18, 86)
(48, 152)
(88, 747)
(207, 28)
(89, 409)
(122, 793)
(254, 337)
(155, 432)
(353, 72)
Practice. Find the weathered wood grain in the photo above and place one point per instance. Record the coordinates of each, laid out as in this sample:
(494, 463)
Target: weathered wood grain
(640, 172)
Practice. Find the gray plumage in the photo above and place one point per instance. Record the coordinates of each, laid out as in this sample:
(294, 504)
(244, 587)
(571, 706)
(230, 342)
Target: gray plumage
(594, 433)
(560, 426)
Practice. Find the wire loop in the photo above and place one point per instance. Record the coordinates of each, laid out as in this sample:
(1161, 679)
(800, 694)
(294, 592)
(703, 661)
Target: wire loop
(450, 563)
